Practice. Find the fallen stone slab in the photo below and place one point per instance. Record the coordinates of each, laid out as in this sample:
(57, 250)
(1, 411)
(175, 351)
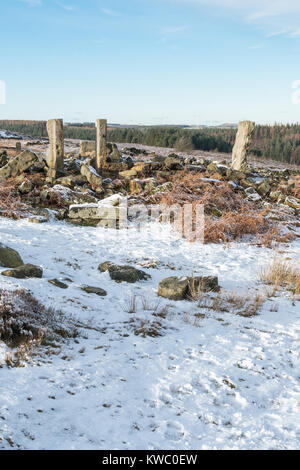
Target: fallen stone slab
(25, 271)
(195, 168)
(37, 219)
(57, 283)
(108, 210)
(9, 258)
(18, 165)
(93, 211)
(94, 290)
(181, 288)
(123, 273)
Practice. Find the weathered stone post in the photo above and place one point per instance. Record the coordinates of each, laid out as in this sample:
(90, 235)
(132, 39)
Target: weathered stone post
(242, 144)
(101, 125)
(55, 152)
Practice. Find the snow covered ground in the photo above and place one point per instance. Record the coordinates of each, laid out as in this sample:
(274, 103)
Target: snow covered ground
(226, 382)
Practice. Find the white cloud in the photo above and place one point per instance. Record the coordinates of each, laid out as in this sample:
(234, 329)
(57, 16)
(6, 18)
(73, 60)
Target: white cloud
(173, 29)
(66, 7)
(109, 12)
(32, 3)
(271, 15)
(168, 32)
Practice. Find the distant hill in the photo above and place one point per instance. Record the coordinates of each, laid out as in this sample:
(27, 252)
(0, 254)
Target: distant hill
(278, 142)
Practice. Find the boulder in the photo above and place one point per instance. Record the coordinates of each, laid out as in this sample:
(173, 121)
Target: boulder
(264, 188)
(18, 165)
(128, 174)
(113, 152)
(180, 288)
(87, 148)
(275, 195)
(3, 158)
(168, 186)
(72, 165)
(71, 180)
(173, 288)
(173, 163)
(92, 176)
(235, 175)
(252, 195)
(212, 168)
(25, 187)
(123, 273)
(136, 170)
(203, 161)
(247, 183)
(292, 202)
(9, 258)
(67, 195)
(24, 271)
(135, 186)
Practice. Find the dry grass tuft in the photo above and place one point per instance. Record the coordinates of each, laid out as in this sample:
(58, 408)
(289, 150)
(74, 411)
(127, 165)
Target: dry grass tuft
(131, 304)
(231, 302)
(151, 324)
(281, 273)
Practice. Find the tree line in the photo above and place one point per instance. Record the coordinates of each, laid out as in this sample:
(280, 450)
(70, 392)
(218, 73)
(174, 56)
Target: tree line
(278, 142)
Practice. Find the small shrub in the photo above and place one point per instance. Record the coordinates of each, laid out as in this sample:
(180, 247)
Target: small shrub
(228, 215)
(147, 327)
(234, 225)
(26, 322)
(10, 201)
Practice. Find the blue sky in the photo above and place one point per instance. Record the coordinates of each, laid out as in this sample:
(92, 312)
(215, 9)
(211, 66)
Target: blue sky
(151, 61)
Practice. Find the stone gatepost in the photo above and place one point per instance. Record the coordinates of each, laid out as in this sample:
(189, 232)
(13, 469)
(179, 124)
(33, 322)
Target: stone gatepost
(55, 152)
(242, 144)
(101, 125)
